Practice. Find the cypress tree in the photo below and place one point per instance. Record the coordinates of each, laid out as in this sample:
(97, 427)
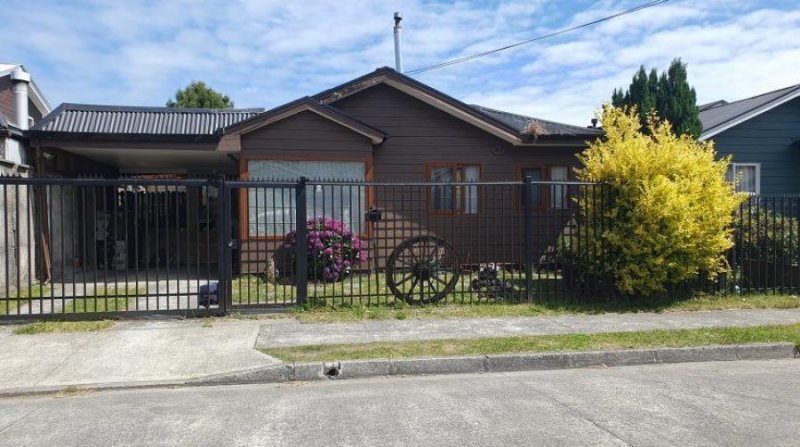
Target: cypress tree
(668, 94)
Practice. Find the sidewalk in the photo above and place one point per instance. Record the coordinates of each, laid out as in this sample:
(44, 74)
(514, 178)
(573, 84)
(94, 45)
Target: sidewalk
(282, 333)
(132, 352)
(173, 352)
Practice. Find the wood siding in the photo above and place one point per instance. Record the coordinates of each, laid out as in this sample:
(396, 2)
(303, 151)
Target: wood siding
(6, 98)
(305, 136)
(419, 136)
(772, 140)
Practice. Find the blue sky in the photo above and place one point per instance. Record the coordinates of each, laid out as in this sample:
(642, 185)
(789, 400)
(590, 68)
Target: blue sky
(263, 53)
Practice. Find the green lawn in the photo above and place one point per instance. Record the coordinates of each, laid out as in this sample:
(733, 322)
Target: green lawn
(9, 305)
(371, 289)
(552, 306)
(540, 343)
(367, 297)
(45, 327)
(106, 298)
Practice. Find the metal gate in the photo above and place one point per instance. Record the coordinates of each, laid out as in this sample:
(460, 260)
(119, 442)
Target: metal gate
(102, 247)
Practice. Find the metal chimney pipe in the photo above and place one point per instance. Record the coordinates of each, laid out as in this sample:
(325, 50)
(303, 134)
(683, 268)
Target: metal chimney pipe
(398, 56)
(19, 86)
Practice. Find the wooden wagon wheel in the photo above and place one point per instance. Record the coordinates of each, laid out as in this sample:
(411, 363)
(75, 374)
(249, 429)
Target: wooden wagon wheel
(422, 270)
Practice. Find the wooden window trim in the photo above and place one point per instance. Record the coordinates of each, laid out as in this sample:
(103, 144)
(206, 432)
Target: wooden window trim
(430, 166)
(244, 215)
(544, 202)
(518, 175)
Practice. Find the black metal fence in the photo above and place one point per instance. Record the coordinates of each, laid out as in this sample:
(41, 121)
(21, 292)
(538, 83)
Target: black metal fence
(81, 247)
(100, 246)
(365, 243)
(766, 257)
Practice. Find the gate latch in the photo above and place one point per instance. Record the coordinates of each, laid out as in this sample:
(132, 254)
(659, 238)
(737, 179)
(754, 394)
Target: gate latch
(233, 244)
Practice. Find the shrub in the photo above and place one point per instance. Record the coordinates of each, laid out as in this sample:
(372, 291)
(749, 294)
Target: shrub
(333, 249)
(767, 236)
(665, 209)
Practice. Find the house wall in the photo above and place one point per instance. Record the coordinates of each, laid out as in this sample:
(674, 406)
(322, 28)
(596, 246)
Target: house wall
(772, 140)
(305, 136)
(6, 98)
(418, 135)
(18, 241)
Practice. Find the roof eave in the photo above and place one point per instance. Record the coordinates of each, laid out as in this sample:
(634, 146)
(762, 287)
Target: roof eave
(41, 135)
(722, 127)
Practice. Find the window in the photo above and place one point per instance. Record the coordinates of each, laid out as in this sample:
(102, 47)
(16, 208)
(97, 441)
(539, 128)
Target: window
(554, 196)
(271, 211)
(558, 193)
(748, 176)
(456, 198)
(535, 200)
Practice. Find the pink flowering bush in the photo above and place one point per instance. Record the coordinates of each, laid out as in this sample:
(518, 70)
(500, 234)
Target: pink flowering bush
(333, 249)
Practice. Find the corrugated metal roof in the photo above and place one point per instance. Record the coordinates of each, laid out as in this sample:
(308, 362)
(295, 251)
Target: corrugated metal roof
(717, 117)
(99, 119)
(524, 123)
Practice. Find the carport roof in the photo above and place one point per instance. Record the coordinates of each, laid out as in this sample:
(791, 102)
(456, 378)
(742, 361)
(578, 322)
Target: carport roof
(131, 121)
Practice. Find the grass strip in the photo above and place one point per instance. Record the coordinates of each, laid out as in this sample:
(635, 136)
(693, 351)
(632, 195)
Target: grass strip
(541, 343)
(46, 327)
(549, 307)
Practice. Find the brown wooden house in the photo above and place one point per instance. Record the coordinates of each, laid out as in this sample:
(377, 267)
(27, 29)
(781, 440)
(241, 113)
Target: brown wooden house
(381, 128)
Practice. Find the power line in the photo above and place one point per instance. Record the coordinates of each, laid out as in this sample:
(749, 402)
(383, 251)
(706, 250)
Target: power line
(525, 42)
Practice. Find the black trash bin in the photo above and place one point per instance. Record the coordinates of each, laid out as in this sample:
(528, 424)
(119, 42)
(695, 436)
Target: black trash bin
(207, 295)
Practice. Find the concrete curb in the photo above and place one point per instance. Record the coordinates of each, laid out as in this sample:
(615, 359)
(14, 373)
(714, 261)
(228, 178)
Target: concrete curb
(351, 369)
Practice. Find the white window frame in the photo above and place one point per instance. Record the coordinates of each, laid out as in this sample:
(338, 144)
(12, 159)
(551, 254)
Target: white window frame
(320, 199)
(757, 166)
(559, 194)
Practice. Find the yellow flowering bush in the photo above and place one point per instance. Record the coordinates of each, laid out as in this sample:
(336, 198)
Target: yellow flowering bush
(667, 210)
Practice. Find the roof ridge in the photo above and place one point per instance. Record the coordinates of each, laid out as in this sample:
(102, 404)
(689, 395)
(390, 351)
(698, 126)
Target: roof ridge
(155, 109)
(485, 109)
(791, 87)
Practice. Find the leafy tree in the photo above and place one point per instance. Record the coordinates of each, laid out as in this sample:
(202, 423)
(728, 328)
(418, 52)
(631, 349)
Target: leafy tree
(666, 208)
(669, 95)
(198, 95)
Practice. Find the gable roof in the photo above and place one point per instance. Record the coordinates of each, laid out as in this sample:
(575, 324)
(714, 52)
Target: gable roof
(227, 125)
(36, 95)
(130, 121)
(504, 125)
(720, 115)
(302, 105)
(231, 135)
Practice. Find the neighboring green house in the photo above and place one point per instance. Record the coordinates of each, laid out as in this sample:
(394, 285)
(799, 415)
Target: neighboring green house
(762, 134)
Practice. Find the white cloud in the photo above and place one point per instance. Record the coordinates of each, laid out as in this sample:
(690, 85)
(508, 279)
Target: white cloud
(265, 52)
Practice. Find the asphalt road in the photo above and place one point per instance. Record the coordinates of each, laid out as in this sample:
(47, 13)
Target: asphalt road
(721, 403)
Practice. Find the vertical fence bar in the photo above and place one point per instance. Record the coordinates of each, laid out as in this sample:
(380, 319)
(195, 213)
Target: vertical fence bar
(301, 259)
(528, 187)
(224, 244)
